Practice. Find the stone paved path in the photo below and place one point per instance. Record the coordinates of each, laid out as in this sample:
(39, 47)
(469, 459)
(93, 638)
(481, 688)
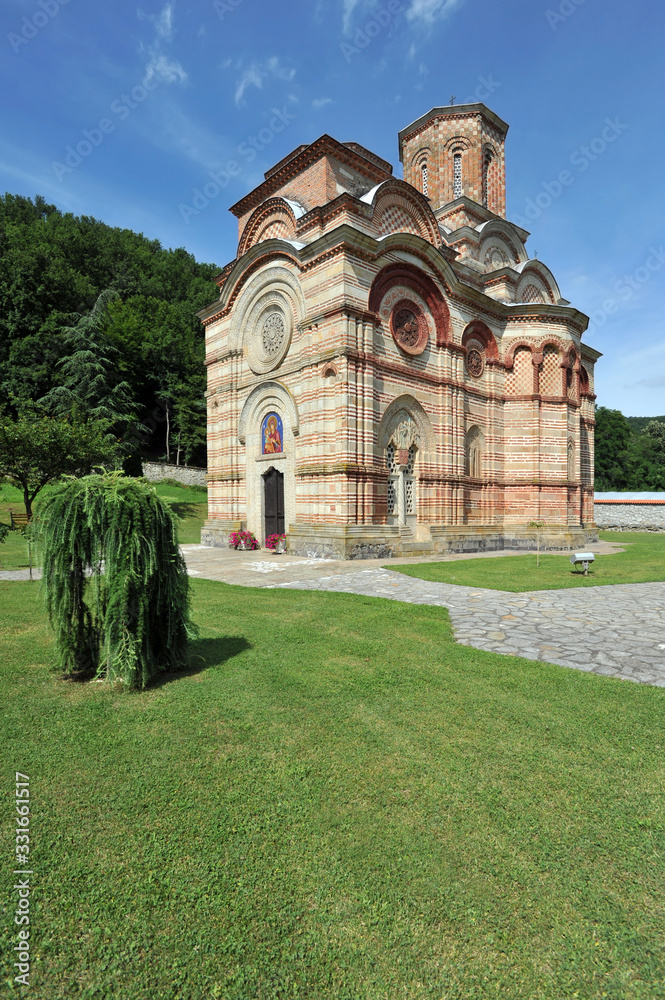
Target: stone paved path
(618, 631)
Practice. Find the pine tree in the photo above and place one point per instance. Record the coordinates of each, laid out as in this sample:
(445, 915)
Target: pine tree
(117, 591)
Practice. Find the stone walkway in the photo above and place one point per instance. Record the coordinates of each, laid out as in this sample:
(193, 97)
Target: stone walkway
(618, 631)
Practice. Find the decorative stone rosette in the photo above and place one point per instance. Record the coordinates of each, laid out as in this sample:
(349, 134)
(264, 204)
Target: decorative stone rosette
(408, 327)
(475, 362)
(269, 336)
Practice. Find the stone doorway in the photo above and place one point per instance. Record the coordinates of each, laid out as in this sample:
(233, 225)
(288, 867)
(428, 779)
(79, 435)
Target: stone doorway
(273, 502)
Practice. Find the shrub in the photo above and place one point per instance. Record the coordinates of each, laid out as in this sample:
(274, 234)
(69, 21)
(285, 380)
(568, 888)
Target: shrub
(117, 591)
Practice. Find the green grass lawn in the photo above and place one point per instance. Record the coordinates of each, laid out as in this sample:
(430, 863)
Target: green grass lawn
(337, 802)
(190, 503)
(642, 562)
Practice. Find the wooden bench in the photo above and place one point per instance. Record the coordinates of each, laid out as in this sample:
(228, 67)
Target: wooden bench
(582, 559)
(19, 520)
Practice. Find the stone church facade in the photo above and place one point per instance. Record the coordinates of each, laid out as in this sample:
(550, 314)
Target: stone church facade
(388, 371)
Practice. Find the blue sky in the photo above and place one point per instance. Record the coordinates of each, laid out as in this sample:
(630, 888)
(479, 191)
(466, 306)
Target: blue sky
(188, 87)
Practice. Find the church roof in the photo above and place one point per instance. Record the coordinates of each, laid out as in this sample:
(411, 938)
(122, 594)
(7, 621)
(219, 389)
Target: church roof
(453, 111)
(351, 154)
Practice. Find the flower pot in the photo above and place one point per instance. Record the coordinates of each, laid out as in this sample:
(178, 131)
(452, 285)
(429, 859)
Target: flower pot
(281, 546)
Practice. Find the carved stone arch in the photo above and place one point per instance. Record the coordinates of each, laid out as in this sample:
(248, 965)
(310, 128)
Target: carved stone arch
(479, 331)
(474, 451)
(585, 383)
(406, 274)
(274, 285)
(406, 419)
(268, 396)
(275, 213)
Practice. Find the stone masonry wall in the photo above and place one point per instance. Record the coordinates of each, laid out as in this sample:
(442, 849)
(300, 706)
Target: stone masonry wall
(187, 475)
(630, 516)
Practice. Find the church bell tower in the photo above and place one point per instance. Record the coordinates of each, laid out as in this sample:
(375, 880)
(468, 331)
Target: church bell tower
(457, 152)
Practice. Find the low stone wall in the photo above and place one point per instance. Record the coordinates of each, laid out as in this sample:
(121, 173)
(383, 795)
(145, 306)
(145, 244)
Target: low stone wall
(626, 516)
(187, 475)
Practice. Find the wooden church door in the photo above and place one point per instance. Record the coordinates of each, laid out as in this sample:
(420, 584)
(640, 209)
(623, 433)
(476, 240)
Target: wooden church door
(273, 491)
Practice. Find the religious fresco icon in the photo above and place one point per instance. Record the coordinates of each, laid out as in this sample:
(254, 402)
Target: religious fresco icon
(271, 435)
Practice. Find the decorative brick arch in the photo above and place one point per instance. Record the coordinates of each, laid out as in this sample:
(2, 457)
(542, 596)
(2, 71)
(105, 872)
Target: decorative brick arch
(408, 275)
(509, 359)
(396, 200)
(585, 384)
(477, 330)
(274, 218)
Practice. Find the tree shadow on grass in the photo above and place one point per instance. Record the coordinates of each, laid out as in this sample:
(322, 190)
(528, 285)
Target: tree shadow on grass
(205, 653)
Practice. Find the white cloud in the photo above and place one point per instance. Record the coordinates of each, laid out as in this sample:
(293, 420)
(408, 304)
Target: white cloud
(255, 75)
(320, 102)
(163, 22)
(159, 64)
(348, 8)
(424, 12)
(429, 11)
(166, 69)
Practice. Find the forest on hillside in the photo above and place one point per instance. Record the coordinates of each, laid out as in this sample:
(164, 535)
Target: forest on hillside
(630, 452)
(99, 322)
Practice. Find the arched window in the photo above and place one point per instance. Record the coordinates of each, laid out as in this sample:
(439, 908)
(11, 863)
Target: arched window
(457, 174)
(474, 453)
(487, 163)
(424, 174)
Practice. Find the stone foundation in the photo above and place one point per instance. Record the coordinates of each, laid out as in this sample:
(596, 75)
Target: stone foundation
(388, 542)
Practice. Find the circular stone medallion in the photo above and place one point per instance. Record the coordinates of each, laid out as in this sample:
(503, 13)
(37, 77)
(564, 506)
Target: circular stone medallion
(475, 364)
(274, 332)
(409, 327)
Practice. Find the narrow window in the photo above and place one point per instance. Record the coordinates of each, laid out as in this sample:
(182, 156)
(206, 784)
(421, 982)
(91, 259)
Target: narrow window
(487, 162)
(424, 170)
(457, 175)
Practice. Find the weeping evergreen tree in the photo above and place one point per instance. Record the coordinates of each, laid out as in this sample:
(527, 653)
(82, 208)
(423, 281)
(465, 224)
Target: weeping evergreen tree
(116, 585)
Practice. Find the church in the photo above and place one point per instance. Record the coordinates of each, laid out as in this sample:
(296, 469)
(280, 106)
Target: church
(389, 372)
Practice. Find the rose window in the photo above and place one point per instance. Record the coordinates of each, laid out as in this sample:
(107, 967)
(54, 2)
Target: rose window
(273, 333)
